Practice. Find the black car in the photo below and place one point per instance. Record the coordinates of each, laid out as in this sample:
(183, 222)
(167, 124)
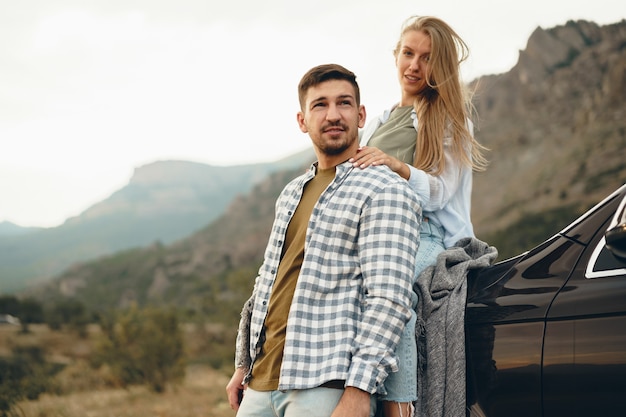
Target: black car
(546, 330)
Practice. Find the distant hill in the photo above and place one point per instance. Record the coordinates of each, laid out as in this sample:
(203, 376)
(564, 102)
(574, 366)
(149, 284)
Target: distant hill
(210, 272)
(163, 201)
(12, 229)
(556, 126)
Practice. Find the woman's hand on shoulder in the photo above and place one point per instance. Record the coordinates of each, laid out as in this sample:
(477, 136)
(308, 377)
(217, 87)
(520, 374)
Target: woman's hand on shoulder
(367, 156)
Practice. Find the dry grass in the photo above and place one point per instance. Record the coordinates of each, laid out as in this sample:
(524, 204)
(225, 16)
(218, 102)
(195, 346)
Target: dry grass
(201, 395)
(62, 347)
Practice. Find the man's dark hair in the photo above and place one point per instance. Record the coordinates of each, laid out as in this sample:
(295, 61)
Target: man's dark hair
(321, 73)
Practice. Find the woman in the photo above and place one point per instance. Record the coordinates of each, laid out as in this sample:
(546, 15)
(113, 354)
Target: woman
(427, 139)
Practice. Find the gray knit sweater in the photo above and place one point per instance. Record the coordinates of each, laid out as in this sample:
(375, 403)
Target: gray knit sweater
(440, 328)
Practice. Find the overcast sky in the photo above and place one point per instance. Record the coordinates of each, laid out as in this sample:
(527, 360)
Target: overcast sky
(92, 89)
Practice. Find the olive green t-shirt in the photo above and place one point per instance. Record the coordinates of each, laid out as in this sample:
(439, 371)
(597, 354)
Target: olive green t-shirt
(396, 137)
(266, 370)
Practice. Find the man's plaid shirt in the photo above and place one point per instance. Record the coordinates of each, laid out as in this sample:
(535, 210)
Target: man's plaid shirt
(352, 298)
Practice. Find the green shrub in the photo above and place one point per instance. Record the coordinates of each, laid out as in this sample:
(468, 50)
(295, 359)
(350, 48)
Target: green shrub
(70, 313)
(142, 347)
(25, 375)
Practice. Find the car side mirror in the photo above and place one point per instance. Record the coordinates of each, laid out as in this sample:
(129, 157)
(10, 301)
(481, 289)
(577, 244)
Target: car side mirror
(615, 239)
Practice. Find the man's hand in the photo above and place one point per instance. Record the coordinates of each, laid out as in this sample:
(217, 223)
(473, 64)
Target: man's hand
(235, 388)
(353, 403)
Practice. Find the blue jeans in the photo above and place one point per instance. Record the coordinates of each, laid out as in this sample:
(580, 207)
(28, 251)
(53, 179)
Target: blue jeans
(313, 402)
(401, 386)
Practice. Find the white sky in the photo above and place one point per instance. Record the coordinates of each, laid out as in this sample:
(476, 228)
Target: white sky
(92, 89)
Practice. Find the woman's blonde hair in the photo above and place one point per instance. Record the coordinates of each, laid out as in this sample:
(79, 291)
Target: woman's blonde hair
(444, 107)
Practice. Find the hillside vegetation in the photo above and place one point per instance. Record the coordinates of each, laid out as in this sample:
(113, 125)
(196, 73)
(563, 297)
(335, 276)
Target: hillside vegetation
(78, 390)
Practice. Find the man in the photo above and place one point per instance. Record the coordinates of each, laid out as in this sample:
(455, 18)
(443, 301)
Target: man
(334, 291)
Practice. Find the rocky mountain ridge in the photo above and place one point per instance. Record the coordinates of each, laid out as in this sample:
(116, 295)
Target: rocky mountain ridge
(555, 124)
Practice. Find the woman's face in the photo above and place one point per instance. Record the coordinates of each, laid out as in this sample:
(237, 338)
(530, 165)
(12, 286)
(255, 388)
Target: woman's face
(413, 64)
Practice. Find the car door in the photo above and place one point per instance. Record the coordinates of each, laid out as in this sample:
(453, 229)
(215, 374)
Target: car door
(584, 358)
(505, 322)
(529, 321)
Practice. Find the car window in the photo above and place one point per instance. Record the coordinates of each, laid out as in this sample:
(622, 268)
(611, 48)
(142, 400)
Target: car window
(602, 262)
(620, 214)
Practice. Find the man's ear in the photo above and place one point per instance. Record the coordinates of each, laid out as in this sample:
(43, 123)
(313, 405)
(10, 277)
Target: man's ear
(301, 122)
(362, 115)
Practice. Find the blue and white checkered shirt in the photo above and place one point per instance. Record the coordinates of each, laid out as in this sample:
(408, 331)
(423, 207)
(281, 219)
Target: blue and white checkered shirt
(353, 295)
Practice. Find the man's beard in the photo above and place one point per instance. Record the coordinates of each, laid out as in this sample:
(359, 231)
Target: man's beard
(335, 150)
(336, 147)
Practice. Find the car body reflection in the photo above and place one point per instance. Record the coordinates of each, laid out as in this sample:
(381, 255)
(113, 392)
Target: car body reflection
(546, 330)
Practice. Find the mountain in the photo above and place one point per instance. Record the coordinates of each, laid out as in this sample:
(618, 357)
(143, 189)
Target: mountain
(556, 128)
(12, 229)
(555, 124)
(163, 201)
(210, 271)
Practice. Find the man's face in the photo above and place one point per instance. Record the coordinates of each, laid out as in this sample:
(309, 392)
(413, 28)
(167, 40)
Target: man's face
(332, 117)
